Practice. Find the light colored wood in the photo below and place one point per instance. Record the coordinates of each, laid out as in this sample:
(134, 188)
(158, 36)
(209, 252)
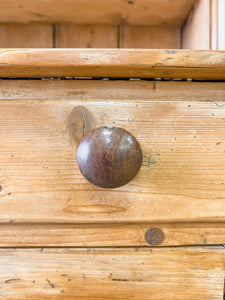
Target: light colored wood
(221, 25)
(126, 90)
(26, 36)
(166, 37)
(197, 29)
(110, 12)
(77, 36)
(121, 273)
(214, 24)
(112, 63)
(106, 235)
(182, 177)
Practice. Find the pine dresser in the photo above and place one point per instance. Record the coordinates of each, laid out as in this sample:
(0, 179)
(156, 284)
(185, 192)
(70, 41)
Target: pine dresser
(112, 150)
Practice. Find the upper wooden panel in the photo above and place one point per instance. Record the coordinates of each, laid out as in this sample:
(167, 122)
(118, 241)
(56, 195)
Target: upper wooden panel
(78, 36)
(113, 63)
(110, 12)
(26, 36)
(150, 37)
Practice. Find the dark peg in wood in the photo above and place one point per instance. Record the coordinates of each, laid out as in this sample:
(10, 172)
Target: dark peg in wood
(154, 236)
(109, 157)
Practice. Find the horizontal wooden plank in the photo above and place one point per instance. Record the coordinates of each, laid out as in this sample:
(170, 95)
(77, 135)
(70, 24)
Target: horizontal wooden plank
(110, 12)
(122, 273)
(106, 235)
(182, 177)
(47, 89)
(112, 63)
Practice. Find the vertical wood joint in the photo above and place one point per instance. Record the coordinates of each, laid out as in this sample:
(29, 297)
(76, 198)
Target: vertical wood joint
(54, 36)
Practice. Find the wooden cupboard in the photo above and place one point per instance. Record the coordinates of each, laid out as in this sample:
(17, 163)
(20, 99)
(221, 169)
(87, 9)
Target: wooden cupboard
(162, 235)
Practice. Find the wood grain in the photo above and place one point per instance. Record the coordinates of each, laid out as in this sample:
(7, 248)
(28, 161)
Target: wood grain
(124, 273)
(164, 37)
(109, 235)
(196, 33)
(49, 89)
(112, 63)
(78, 36)
(182, 175)
(110, 12)
(26, 36)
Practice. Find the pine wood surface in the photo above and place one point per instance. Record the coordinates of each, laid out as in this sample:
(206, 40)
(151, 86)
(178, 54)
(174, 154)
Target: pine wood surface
(26, 36)
(196, 33)
(109, 235)
(113, 273)
(150, 37)
(108, 12)
(55, 89)
(214, 24)
(117, 63)
(182, 175)
(45, 202)
(97, 36)
(41, 205)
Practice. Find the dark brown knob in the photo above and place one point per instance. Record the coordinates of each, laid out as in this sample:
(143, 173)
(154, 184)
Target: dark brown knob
(109, 157)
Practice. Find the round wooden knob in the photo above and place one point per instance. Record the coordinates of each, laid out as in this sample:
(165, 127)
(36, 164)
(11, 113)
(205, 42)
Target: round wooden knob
(109, 157)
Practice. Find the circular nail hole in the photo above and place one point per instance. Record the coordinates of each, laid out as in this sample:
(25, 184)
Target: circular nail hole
(0, 188)
(154, 236)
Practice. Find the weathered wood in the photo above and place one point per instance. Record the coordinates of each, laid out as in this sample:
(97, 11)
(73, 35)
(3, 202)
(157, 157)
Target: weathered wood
(78, 36)
(188, 274)
(26, 36)
(110, 89)
(110, 12)
(196, 33)
(182, 176)
(112, 63)
(149, 37)
(109, 235)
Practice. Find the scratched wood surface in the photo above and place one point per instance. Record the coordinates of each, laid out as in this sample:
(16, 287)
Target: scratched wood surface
(108, 235)
(110, 12)
(122, 273)
(117, 63)
(49, 89)
(182, 176)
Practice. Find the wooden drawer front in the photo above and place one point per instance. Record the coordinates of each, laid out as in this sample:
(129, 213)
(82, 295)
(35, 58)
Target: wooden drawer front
(182, 175)
(111, 273)
(179, 192)
(180, 126)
